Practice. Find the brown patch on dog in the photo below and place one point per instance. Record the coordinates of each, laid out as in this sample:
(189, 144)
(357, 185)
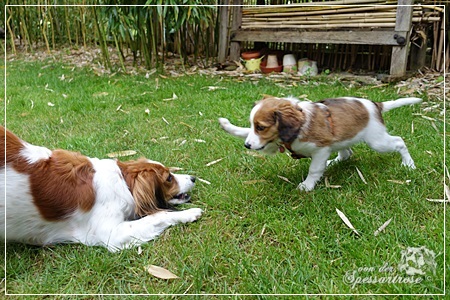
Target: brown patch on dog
(13, 147)
(61, 184)
(341, 120)
(379, 106)
(152, 185)
(277, 118)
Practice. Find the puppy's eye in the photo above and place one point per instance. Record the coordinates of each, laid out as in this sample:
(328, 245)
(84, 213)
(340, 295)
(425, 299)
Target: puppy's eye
(169, 179)
(260, 128)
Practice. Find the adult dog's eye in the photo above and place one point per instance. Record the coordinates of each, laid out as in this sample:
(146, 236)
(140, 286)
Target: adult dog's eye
(169, 179)
(260, 128)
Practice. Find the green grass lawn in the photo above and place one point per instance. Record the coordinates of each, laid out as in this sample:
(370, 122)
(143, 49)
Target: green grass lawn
(258, 234)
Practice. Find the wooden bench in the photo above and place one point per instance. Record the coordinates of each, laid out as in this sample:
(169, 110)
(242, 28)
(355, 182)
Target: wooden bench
(397, 36)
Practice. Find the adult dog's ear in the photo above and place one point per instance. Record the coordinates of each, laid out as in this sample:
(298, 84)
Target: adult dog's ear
(290, 121)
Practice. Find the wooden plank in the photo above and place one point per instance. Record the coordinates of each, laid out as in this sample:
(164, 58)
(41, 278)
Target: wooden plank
(235, 47)
(223, 31)
(379, 37)
(399, 57)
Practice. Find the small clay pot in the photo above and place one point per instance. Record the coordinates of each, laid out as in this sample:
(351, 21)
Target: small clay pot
(250, 55)
(272, 61)
(267, 70)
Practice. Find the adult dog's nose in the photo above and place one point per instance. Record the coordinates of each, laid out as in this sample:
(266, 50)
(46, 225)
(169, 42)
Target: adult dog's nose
(193, 178)
(248, 146)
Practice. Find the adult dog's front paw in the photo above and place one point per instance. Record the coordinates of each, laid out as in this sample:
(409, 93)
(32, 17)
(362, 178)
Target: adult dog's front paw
(190, 215)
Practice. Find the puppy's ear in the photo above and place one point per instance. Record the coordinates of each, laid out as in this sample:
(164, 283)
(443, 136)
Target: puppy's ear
(265, 96)
(290, 121)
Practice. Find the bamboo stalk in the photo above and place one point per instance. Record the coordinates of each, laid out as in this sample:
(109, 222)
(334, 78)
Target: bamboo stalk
(83, 26)
(434, 48)
(436, 8)
(154, 33)
(118, 50)
(162, 36)
(362, 15)
(345, 56)
(328, 10)
(322, 6)
(76, 34)
(52, 27)
(335, 57)
(320, 26)
(354, 55)
(349, 2)
(24, 29)
(330, 57)
(290, 21)
(358, 15)
(447, 59)
(44, 28)
(440, 49)
(66, 14)
(426, 19)
(376, 59)
(11, 34)
(102, 40)
(302, 22)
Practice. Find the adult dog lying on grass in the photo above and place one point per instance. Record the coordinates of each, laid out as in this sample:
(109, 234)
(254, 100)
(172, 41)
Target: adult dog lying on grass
(61, 196)
(316, 129)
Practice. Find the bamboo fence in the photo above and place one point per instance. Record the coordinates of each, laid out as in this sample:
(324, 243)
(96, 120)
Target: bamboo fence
(313, 17)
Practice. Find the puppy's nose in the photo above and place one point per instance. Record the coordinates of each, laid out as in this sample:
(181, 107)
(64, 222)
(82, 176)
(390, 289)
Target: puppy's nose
(193, 178)
(248, 146)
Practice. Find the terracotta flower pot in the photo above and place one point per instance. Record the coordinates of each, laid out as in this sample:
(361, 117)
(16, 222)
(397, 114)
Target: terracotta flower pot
(250, 55)
(267, 70)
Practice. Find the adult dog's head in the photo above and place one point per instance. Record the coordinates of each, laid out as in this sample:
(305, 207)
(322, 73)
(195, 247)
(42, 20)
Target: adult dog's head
(153, 186)
(274, 121)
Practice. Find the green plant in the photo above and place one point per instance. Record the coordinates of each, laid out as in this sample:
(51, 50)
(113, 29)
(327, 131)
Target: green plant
(148, 29)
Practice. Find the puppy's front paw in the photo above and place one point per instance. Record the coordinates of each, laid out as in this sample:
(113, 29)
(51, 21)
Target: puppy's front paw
(190, 215)
(224, 123)
(331, 162)
(305, 187)
(410, 164)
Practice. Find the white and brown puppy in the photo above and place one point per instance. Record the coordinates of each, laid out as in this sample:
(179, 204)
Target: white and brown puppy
(61, 196)
(316, 129)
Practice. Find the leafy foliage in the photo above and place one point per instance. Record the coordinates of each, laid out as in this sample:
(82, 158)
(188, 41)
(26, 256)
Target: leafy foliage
(147, 30)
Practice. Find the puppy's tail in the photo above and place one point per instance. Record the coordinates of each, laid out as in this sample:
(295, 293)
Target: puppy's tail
(388, 105)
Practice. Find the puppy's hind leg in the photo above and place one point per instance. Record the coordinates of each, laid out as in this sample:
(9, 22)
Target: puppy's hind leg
(389, 143)
(343, 154)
